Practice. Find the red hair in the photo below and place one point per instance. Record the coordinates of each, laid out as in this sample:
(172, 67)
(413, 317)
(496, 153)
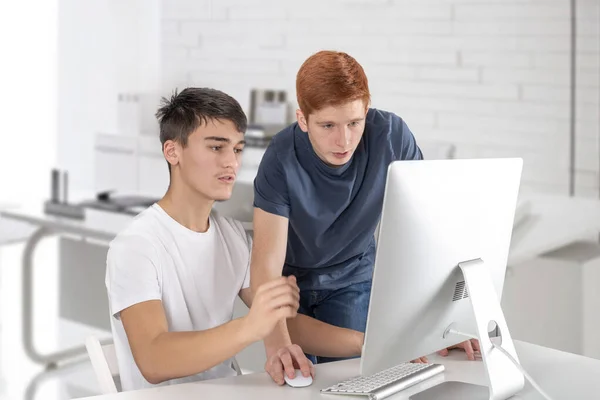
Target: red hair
(330, 78)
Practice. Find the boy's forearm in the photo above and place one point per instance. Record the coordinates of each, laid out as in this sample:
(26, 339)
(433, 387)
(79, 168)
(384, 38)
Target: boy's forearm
(262, 272)
(174, 355)
(325, 340)
(279, 338)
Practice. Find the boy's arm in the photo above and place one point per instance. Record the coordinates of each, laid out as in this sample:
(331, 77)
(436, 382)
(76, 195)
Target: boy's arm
(316, 337)
(311, 335)
(162, 355)
(268, 255)
(324, 340)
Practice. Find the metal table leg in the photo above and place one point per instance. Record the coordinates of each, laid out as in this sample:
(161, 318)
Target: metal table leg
(52, 359)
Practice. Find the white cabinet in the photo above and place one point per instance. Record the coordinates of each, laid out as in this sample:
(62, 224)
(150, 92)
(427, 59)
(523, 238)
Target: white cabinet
(130, 165)
(553, 300)
(115, 164)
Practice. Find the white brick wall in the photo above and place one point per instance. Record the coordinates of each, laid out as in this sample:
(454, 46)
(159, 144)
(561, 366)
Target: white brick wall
(491, 76)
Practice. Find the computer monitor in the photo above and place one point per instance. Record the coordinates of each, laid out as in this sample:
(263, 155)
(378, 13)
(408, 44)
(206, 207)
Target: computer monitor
(439, 216)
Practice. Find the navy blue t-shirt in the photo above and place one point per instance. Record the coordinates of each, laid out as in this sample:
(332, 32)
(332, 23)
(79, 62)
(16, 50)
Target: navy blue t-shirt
(332, 211)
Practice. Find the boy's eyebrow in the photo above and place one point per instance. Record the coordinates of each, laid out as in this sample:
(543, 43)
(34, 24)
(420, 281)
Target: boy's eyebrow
(218, 139)
(222, 139)
(333, 123)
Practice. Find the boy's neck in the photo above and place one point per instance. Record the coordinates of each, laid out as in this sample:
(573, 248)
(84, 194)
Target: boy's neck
(187, 207)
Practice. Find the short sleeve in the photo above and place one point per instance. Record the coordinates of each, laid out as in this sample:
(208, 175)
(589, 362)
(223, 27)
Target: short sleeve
(246, 283)
(403, 141)
(132, 274)
(270, 185)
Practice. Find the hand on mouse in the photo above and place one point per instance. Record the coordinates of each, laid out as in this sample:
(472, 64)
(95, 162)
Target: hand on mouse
(273, 301)
(286, 360)
(471, 347)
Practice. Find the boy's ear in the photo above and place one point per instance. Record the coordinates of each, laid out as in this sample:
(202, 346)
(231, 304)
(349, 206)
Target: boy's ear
(302, 120)
(171, 151)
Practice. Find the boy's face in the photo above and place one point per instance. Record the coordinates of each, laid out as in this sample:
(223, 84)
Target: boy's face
(335, 131)
(208, 165)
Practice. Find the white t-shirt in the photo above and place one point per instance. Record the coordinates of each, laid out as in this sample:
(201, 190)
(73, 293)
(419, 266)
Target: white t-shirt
(197, 276)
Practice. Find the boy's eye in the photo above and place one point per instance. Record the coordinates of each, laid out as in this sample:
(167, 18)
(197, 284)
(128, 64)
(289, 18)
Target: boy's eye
(353, 124)
(215, 148)
(238, 150)
(328, 126)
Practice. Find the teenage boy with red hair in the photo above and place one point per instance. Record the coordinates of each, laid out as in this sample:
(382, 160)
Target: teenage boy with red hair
(318, 198)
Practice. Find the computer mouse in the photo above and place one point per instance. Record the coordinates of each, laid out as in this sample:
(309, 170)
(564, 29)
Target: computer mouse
(299, 380)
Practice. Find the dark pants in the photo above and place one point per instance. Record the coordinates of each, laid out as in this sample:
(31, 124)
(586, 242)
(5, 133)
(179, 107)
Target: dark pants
(346, 307)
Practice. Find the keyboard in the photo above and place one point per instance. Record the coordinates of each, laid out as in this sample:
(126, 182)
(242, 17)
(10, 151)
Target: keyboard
(386, 382)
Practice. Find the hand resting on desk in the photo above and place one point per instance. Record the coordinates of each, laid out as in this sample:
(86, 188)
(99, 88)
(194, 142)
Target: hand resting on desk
(288, 358)
(471, 348)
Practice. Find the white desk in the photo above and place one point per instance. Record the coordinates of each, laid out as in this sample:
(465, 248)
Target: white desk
(12, 231)
(563, 376)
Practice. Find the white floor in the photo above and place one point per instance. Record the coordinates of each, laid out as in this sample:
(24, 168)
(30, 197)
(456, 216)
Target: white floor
(20, 378)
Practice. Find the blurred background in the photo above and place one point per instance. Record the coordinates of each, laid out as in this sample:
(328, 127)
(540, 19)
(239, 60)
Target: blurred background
(81, 81)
